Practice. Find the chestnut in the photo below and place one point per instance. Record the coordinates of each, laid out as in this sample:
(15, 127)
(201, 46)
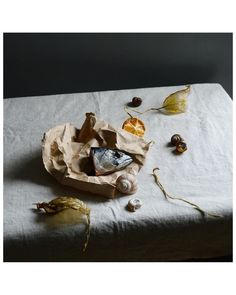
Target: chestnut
(136, 101)
(181, 147)
(175, 139)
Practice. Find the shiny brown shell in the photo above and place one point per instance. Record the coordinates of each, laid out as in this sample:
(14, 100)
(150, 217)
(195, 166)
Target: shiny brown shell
(175, 139)
(181, 147)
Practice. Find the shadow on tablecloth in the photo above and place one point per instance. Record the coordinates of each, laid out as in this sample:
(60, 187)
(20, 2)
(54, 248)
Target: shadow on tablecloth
(31, 169)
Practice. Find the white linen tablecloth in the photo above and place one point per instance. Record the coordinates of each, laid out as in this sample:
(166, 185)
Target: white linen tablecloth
(160, 230)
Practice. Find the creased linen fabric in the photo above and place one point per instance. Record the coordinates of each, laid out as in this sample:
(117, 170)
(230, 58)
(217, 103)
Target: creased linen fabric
(160, 230)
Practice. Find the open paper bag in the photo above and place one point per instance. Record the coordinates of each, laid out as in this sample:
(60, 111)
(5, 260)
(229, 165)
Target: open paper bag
(66, 154)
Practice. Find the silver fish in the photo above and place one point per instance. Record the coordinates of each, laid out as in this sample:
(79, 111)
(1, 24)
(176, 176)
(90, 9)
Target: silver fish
(107, 161)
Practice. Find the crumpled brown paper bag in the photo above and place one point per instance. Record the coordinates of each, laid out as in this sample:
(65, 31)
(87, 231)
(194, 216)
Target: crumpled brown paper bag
(66, 154)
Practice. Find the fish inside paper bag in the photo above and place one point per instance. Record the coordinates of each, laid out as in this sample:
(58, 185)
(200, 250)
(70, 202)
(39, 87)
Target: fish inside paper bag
(66, 153)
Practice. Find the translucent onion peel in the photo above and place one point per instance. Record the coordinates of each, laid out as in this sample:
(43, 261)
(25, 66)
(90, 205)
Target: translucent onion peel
(61, 203)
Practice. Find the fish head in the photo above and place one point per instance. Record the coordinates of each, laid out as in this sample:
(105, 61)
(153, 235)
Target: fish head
(107, 161)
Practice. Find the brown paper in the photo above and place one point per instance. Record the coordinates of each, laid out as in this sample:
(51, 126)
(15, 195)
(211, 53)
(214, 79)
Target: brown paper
(66, 154)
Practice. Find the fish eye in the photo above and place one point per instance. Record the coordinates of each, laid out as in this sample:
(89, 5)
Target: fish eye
(117, 154)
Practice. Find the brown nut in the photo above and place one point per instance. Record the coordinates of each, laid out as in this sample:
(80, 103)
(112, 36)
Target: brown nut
(175, 139)
(136, 101)
(181, 147)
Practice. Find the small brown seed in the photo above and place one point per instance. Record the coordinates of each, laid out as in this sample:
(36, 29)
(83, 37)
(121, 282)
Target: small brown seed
(136, 101)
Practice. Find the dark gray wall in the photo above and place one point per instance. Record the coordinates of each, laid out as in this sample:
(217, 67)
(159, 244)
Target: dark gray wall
(39, 64)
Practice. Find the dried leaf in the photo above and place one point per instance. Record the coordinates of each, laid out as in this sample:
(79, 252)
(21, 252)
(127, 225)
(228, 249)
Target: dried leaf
(61, 203)
(176, 103)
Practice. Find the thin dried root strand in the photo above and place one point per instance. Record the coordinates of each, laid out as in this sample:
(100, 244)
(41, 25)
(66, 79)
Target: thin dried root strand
(141, 113)
(87, 232)
(149, 110)
(167, 196)
(125, 109)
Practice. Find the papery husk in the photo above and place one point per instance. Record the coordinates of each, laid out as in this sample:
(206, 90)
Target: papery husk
(61, 203)
(176, 103)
